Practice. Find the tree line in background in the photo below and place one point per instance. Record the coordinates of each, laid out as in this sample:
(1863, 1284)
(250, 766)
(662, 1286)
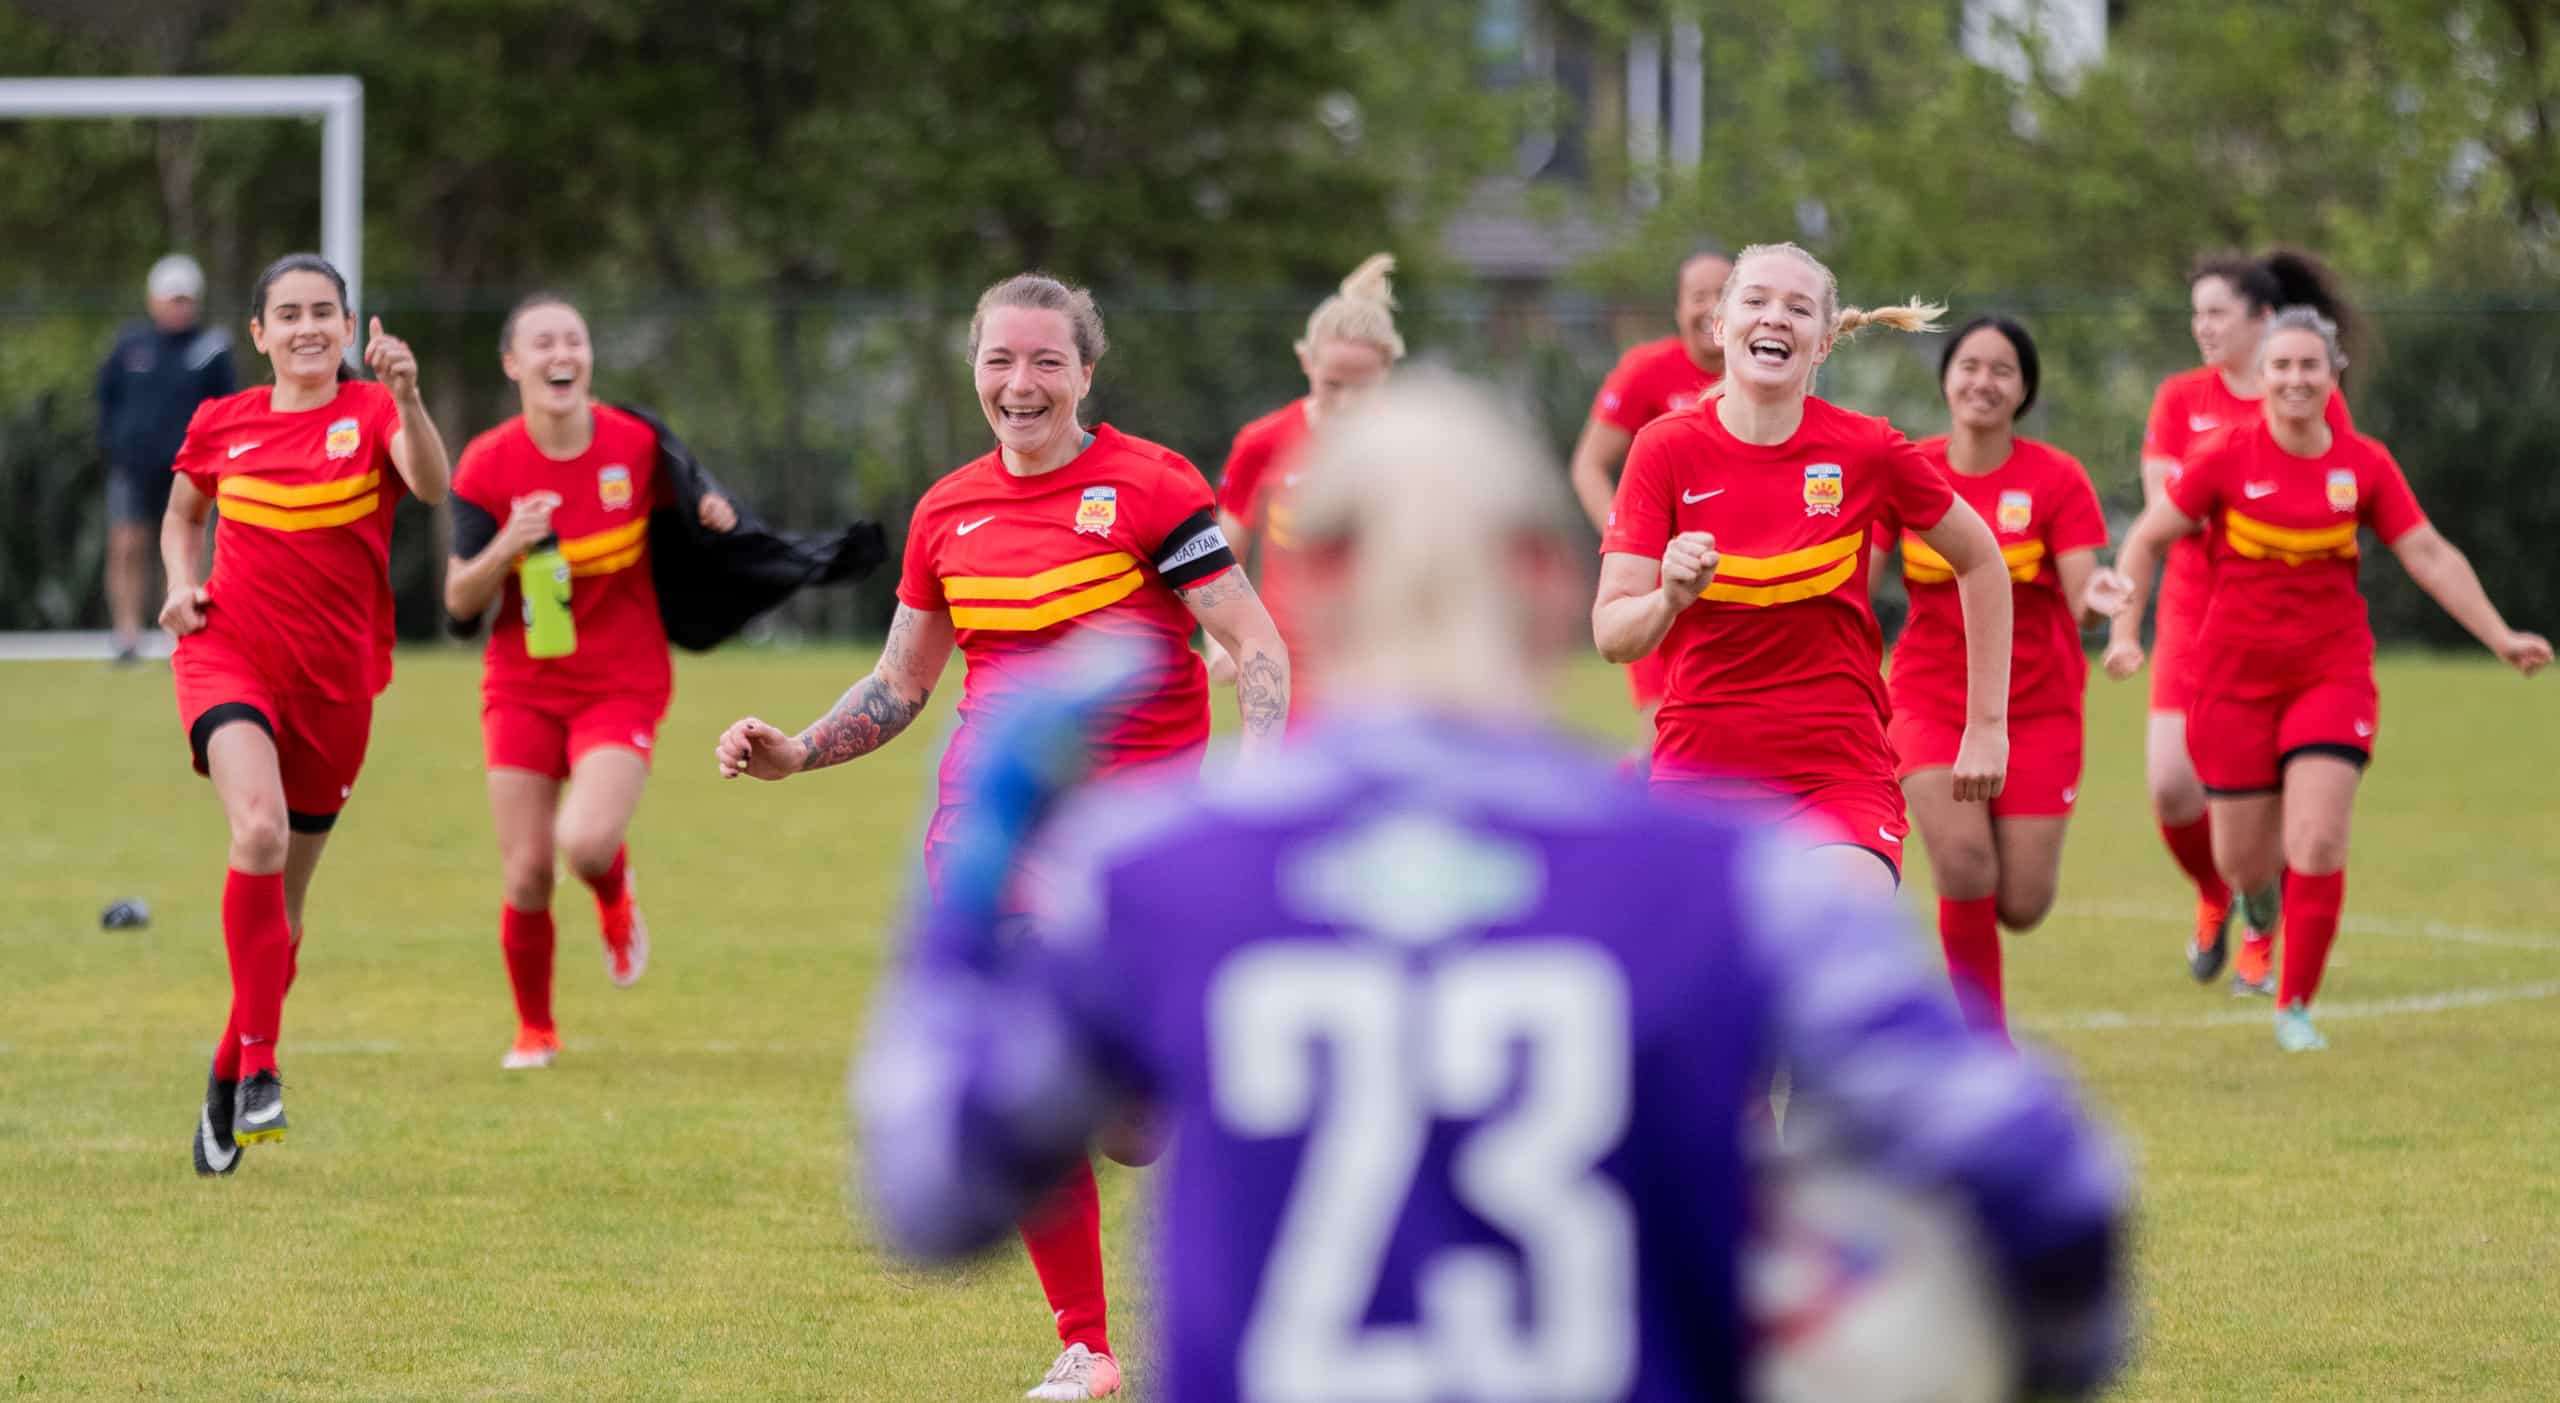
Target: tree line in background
(777, 210)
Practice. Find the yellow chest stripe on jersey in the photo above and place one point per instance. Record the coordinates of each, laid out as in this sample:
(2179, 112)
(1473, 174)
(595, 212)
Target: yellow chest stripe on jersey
(1039, 616)
(309, 494)
(605, 552)
(1738, 577)
(253, 514)
(2259, 540)
(1076, 572)
(1922, 565)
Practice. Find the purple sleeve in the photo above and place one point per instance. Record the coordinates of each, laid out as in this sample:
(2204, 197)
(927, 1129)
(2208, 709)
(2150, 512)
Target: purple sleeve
(1880, 1059)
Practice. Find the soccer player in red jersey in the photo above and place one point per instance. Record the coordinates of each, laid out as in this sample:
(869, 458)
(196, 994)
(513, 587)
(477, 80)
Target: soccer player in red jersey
(281, 653)
(1058, 533)
(1350, 345)
(1650, 380)
(2285, 709)
(1738, 545)
(1996, 864)
(2232, 298)
(586, 474)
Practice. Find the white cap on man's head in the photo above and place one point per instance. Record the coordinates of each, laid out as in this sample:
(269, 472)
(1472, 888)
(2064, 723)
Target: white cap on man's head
(177, 276)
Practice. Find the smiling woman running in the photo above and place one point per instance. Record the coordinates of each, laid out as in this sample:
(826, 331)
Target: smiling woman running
(282, 652)
(1737, 545)
(1059, 532)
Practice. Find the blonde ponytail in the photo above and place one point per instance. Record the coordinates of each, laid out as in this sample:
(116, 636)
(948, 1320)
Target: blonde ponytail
(1363, 310)
(1914, 315)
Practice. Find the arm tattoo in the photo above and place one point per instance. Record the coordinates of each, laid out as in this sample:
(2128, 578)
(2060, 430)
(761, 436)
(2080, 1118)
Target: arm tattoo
(1226, 588)
(871, 713)
(867, 717)
(1262, 693)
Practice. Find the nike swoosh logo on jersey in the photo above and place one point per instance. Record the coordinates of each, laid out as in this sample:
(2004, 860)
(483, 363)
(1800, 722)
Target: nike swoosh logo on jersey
(2202, 423)
(1694, 498)
(239, 448)
(1888, 837)
(2364, 728)
(2254, 490)
(214, 1158)
(966, 527)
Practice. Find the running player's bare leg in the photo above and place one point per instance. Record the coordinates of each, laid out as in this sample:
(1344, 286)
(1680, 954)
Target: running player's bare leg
(2319, 808)
(301, 859)
(2248, 839)
(1853, 870)
(2319, 805)
(240, 758)
(604, 792)
(2030, 868)
(1964, 865)
(2177, 796)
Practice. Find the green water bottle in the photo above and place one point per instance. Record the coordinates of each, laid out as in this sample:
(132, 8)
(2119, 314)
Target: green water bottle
(549, 630)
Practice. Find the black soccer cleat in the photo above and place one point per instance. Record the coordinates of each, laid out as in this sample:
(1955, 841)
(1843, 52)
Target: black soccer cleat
(259, 1118)
(2211, 945)
(215, 1151)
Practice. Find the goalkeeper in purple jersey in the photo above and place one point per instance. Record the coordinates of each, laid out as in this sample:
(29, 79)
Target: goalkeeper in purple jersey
(1456, 1030)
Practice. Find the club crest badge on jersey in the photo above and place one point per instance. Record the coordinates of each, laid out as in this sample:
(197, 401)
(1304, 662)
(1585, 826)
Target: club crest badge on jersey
(2017, 511)
(344, 435)
(613, 487)
(2342, 489)
(1099, 511)
(1822, 491)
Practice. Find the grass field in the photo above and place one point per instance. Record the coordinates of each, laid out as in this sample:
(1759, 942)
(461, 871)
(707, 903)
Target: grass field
(662, 1216)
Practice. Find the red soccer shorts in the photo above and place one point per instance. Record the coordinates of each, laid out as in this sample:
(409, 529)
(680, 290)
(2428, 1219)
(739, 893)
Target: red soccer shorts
(1864, 813)
(2044, 760)
(551, 740)
(1649, 679)
(2174, 661)
(2240, 745)
(320, 743)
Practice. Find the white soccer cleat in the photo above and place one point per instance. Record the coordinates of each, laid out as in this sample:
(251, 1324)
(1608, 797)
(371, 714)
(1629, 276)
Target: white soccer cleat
(1079, 1373)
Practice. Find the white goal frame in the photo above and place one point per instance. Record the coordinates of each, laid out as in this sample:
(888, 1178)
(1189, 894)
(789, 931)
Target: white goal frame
(337, 101)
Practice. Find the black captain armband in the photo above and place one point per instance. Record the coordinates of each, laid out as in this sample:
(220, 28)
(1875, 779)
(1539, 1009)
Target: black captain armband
(1194, 550)
(473, 528)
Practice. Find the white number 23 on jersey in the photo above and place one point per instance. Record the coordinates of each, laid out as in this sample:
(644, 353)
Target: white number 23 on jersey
(1362, 1052)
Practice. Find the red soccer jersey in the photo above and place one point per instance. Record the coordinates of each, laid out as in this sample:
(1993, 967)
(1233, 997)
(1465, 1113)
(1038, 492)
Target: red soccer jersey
(2282, 536)
(301, 583)
(1261, 467)
(1651, 380)
(1024, 563)
(2039, 503)
(606, 495)
(2190, 407)
(1775, 673)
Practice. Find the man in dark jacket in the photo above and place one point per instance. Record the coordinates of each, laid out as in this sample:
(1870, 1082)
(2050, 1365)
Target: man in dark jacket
(148, 390)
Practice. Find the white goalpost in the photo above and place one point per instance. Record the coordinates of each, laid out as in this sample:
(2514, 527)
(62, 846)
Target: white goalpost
(337, 101)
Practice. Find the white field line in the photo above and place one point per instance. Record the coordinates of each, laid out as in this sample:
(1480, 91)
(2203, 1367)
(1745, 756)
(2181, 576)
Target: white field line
(2328, 1010)
(2350, 924)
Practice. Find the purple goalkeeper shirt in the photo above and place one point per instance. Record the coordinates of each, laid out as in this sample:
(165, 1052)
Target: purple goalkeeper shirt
(1457, 1033)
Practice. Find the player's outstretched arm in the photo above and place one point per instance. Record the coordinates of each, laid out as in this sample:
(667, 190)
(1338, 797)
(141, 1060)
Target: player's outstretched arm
(868, 716)
(1597, 456)
(1232, 613)
(1883, 1066)
(1982, 588)
(2445, 573)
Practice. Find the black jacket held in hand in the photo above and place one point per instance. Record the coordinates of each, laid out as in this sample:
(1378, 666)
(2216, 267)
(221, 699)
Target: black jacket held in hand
(710, 584)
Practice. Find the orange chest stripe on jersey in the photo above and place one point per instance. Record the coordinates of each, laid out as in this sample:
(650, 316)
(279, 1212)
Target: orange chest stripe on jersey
(2259, 540)
(258, 502)
(1095, 582)
(1924, 566)
(605, 552)
(1761, 580)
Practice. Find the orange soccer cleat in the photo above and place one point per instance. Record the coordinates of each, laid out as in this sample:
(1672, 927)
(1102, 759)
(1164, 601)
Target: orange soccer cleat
(534, 1047)
(2211, 944)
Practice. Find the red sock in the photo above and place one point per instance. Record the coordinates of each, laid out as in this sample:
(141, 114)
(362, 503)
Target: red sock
(1065, 1237)
(1969, 931)
(527, 938)
(260, 943)
(2311, 906)
(2192, 845)
(226, 1053)
(608, 884)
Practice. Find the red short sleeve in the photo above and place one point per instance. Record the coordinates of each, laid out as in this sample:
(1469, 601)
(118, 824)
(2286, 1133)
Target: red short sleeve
(2197, 488)
(1179, 494)
(1240, 491)
(2391, 509)
(2077, 522)
(919, 583)
(1640, 515)
(2336, 413)
(1916, 493)
(199, 457)
(2164, 434)
(475, 480)
(1621, 401)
